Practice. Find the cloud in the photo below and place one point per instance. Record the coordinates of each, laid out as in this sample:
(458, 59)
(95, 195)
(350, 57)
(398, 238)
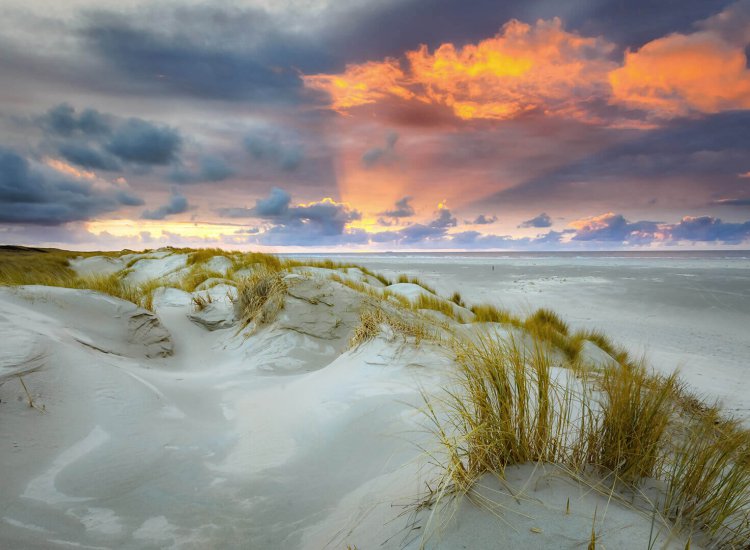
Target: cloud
(323, 222)
(614, 227)
(87, 156)
(709, 229)
(380, 155)
(32, 193)
(434, 231)
(481, 219)
(101, 141)
(275, 205)
(273, 146)
(523, 68)
(686, 162)
(63, 120)
(681, 74)
(143, 142)
(545, 68)
(177, 204)
(210, 168)
(542, 220)
(444, 219)
(403, 209)
(744, 201)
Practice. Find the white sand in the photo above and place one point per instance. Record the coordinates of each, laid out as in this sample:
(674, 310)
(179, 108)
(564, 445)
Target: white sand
(682, 312)
(154, 432)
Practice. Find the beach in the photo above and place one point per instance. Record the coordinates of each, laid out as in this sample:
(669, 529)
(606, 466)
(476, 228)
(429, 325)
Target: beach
(179, 423)
(686, 311)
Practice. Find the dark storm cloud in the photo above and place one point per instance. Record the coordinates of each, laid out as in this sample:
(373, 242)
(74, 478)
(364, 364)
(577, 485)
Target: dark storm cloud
(402, 209)
(100, 141)
(203, 51)
(707, 152)
(143, 142)
(542, 220)
(39, 195)
(177, 204)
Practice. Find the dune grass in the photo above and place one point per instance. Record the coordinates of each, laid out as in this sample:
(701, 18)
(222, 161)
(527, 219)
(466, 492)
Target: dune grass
(435, 303)
(197, 275)
(708, 478)
(456, 299)
(506, 408)
(260, 297)
(202, 255)
(509, 407)
(546, 325)
(403, 278)
(373, 316)
(486, 313)
(635, 414)
(140, 294)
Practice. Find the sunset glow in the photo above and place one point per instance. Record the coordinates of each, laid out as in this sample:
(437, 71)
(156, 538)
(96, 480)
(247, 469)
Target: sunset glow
(541, 127)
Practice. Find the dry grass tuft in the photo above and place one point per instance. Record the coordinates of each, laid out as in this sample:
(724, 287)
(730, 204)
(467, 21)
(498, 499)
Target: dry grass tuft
(708, 479)
(435, 303)
(260, 296)
(506, 410)
(486, 313)
(635, 414)
(373, 317)
(198, 274)
(456, 299)
(202, 255)
(415, 281)
(547, 326)
(200, 302)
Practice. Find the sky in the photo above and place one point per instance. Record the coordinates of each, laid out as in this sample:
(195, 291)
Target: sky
(374, 125)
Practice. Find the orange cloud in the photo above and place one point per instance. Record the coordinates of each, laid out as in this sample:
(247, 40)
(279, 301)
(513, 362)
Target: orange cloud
(521, 69)
(680, 74)
(593, 223)
(543, 67)
(361, 84)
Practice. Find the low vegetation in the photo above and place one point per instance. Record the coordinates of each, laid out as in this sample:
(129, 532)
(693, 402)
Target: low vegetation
(415, 281)
(260, 297)
(373, 317)
(517, 399)
(511, 406)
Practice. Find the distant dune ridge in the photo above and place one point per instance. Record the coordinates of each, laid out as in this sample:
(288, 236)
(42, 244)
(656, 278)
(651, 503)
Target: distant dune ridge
(210, 399)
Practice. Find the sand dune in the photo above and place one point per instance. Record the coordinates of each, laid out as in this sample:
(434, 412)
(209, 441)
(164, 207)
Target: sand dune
(181, 429)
